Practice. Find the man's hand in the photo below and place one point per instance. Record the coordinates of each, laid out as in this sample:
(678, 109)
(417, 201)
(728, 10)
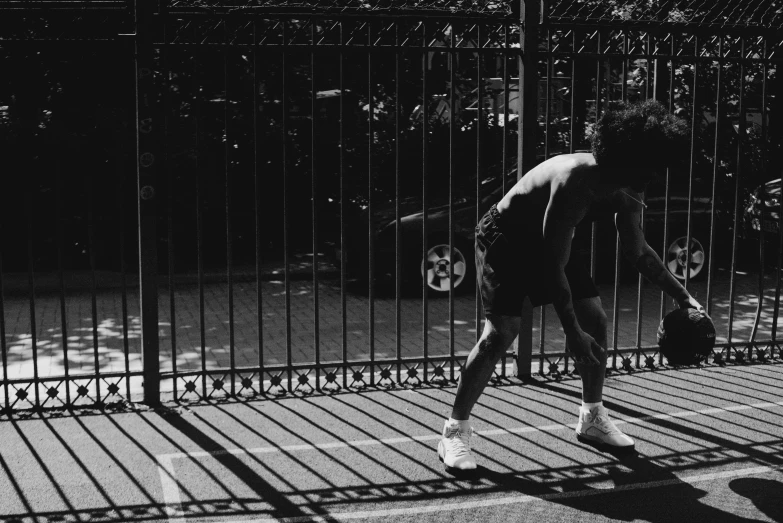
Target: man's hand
(584, 348)
(688, 302)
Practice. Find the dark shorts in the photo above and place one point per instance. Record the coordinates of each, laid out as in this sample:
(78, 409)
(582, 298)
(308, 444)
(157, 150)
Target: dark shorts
(511, 265)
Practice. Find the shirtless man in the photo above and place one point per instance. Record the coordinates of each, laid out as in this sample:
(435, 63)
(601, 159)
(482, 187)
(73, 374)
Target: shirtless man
(539, 215)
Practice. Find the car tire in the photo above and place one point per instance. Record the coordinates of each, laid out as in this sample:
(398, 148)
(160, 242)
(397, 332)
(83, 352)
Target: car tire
(441, 261)
(680, 259)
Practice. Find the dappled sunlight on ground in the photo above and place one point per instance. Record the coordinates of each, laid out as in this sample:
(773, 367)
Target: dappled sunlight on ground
(205, 338)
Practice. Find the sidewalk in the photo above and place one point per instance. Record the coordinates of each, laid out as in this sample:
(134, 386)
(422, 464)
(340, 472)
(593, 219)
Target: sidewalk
(181, 333)
(708, 448)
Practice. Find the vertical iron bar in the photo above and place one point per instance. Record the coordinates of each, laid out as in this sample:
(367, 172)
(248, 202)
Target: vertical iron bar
(61, 277)
(571, 143)
(286, 210)
(598, 107)
(715, 165)
(648, 69)
(479, 115)
(93, 286)
(169, 208)
(548, 108)
(258, 214)
(452, 79)
(779, 257)
(639, 305)
(123, 278)
(527, 127)
(505, 105)
(370, 188)
(314, 191)
(146, 149)
(765, 168)
(229, 227)
(640, 281)
(667, 184)
(692, 165)
(547, 132)
(31, 282)
(616, 300)
(397, 190)
(200, 238)
(541, 338)
(623, 83)
(616, 303)
(425, 201)
(504, 137)
(343, 293)
(572, 98)
(740, 141)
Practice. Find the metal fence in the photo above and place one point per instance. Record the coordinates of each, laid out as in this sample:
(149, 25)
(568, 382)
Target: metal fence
(299, 217)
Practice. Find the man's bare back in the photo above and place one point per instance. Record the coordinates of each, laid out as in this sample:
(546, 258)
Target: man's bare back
(589, 191)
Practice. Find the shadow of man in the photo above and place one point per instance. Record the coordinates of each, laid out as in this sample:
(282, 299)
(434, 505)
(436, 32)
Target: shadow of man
(650, 492)
(764, 493)
(643, 491)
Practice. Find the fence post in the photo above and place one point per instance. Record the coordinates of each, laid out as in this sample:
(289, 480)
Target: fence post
(147, 134)
(530, 13)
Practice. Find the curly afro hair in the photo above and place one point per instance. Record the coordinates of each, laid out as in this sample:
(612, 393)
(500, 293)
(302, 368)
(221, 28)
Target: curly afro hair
(630, 133)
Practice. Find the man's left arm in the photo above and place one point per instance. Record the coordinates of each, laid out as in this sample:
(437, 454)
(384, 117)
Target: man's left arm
(647, 261)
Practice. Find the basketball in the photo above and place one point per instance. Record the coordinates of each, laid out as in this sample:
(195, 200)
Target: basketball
(686, 337)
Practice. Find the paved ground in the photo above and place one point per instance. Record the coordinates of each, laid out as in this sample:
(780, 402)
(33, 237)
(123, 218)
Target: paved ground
(709, 448)
(102, 341)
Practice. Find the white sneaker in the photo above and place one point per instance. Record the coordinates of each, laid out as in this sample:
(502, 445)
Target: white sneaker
(595, 426)
(454, 448)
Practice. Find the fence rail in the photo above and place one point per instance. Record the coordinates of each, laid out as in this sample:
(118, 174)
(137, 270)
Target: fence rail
(235, 199)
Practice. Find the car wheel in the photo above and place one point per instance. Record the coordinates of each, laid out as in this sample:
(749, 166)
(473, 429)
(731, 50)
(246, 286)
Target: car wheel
(439, 265)
(680, 258)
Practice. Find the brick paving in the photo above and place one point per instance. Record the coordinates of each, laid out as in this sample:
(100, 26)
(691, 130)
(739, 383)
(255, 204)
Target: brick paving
(105, 337)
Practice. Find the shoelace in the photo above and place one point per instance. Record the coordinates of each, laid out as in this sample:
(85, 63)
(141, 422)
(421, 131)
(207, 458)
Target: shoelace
(606, 423)
(460, 442)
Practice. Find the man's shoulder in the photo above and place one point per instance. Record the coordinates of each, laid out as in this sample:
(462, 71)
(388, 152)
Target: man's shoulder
(578, 160)
(573, 169)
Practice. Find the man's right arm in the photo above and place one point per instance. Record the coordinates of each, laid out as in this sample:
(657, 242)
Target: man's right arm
(558, 239)
(561, 216)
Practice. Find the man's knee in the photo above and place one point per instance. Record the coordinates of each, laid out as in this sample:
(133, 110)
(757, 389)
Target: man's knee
(498, 335)
(601, 323)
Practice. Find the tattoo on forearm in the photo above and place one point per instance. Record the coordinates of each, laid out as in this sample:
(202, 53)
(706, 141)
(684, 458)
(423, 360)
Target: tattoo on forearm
(650, 267)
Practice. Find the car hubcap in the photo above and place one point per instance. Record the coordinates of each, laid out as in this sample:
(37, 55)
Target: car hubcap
(681, 258)
(440, 264)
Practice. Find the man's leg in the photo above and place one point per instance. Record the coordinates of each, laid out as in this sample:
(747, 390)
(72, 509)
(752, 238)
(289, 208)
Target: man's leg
(454, 446)
(498, 335)
(592, 318)
(594, 423)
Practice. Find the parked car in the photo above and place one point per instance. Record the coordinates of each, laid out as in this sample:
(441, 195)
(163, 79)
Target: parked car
(678, 256)
(440, 261)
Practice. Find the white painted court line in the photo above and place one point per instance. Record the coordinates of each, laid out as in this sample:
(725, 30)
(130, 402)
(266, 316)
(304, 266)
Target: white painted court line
(494, 432)
(171, 491)
(168, 481)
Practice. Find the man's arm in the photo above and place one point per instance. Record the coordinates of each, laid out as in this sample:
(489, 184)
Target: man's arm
(647, 261)
(562, 214)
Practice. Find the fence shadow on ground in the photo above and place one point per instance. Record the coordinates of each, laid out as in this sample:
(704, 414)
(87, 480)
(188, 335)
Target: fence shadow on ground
(375, 452)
